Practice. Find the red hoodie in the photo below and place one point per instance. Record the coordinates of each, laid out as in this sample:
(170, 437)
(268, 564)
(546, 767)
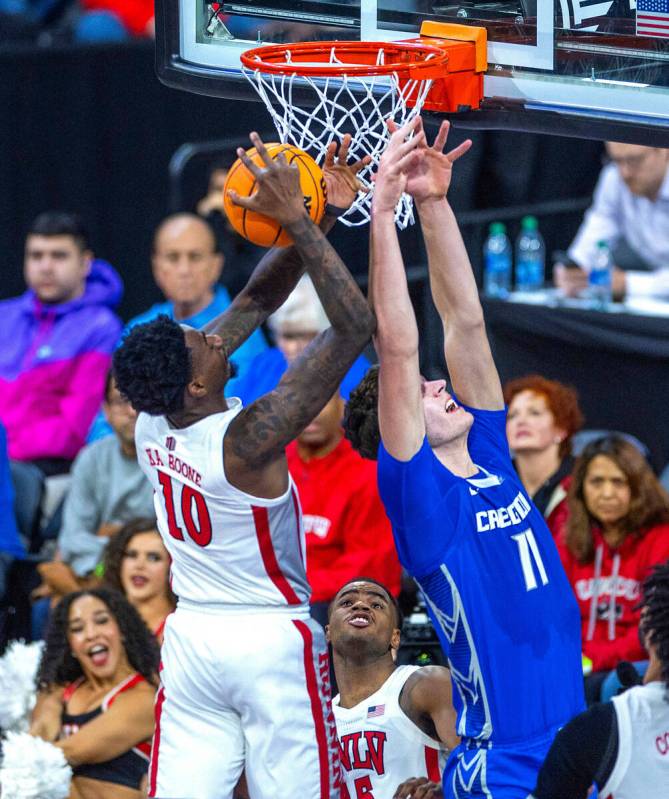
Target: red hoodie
(609, 625)
(348, 533)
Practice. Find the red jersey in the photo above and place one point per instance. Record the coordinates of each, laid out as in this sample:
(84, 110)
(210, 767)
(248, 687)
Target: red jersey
(347, 531)
(608, 588)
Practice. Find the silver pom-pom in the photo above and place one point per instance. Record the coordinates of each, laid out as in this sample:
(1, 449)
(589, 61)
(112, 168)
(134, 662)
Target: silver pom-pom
(33, 769)
(18, 667)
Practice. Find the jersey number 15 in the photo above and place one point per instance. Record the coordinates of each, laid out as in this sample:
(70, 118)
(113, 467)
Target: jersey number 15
(198, 529)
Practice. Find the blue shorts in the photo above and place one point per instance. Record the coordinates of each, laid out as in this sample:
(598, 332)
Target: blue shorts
(495, 772)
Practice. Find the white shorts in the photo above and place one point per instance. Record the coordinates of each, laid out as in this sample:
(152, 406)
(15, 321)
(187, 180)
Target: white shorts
(248, 691)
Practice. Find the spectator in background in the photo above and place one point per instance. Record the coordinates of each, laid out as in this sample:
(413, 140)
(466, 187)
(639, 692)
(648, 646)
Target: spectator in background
(542, 418)
(57, 341)
(296, 323)
(108, 489)
(347, 530)
(240, 254)
(137, 564)
(630, 211)
(115, 20)
(617, 530)
(187, 266)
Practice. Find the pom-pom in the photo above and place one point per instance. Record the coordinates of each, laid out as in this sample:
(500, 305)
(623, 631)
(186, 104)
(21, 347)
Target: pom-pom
(18, 667)
(33, 769)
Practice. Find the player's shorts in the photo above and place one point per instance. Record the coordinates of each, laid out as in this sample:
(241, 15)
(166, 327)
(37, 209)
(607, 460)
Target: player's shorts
(245, 690)
(496, 772)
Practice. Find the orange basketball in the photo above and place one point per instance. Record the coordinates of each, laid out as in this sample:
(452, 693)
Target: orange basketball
(261, 229)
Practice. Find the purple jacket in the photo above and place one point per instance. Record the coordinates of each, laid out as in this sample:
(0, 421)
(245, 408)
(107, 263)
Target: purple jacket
(53, 364)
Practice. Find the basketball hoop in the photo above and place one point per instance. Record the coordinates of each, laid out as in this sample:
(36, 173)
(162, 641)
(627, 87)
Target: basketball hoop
(357, 87)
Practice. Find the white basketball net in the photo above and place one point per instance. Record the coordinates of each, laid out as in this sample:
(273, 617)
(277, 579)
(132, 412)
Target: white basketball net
(359, 105)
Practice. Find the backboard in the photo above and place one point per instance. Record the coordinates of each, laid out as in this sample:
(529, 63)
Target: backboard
(590, 68)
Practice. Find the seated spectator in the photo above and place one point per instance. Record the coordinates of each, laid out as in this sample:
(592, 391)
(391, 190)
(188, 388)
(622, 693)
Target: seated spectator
(137, 564)
(57, 338)
(114, 20)
(107, 490)
(630, 211)
(240, 254)
(97, 681)
(616, 531)
(543, 416)
(347, 530)
(620, 746)
(294, 325)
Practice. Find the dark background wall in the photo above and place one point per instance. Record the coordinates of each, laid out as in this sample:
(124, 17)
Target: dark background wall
(93, 130)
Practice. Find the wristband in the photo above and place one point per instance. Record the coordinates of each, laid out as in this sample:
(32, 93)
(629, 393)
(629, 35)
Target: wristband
(334, 210)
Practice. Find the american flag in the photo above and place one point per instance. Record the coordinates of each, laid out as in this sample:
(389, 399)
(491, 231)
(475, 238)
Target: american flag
(375, 710)
(652, 18)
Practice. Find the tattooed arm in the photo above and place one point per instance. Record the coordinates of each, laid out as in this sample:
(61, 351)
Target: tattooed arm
(279, 270)
(254, 446)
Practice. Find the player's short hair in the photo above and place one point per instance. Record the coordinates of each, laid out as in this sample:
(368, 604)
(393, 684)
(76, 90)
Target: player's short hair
(655, 616)
(361, 416)
(60, 223)
(399, 617)
(152, 367)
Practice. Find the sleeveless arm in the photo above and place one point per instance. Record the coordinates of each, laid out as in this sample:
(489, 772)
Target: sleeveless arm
(466, 348)
(427, 700)
(126, 723)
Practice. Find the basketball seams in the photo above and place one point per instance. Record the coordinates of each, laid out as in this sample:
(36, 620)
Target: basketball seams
(244, 220)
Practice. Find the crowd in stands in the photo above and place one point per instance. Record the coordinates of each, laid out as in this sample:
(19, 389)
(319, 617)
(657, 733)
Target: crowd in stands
(100, 560)
(46, 22)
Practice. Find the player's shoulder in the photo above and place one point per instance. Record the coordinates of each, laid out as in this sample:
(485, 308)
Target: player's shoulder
(421, 685)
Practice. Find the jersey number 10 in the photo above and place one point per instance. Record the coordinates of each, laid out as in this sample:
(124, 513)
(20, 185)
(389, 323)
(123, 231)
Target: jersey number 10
(200, 530)
(530, 559)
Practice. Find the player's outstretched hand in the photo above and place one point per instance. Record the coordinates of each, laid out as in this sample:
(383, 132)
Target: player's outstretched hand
(341, 181)
(430, 176)
(419, 788)
(397, 161)
(278, 191)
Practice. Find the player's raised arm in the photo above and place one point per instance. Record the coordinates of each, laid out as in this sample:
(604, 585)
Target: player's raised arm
(260, 433)
(470, 364)
(401, 419)
(279, 270)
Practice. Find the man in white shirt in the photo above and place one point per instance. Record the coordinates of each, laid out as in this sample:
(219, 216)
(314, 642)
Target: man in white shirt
(630, 211)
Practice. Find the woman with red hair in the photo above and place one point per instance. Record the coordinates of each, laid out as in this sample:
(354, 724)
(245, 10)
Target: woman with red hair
(543, 416)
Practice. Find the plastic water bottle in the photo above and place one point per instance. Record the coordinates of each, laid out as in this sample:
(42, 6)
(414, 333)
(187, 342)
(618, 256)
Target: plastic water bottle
(497, 262)
(599, 280)
(530, 256)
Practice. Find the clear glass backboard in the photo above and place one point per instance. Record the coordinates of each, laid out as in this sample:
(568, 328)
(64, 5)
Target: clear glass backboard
(576, 67)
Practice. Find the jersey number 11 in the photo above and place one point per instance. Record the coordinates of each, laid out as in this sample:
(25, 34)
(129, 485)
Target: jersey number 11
(530, 559)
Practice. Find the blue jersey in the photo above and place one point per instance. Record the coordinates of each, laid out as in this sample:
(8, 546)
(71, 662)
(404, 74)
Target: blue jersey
(494, 585)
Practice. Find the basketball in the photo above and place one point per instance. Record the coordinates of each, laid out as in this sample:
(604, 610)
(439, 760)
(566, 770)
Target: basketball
(261, 229)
